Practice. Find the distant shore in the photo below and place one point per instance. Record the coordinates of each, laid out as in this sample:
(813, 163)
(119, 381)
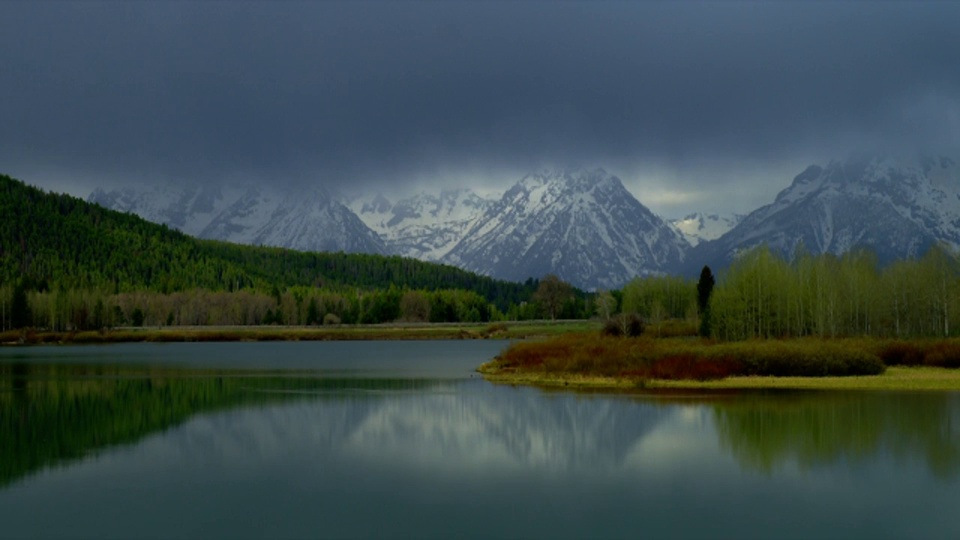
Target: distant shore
(374, 332)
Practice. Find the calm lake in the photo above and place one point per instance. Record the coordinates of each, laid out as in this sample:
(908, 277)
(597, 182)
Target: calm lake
(402, 439)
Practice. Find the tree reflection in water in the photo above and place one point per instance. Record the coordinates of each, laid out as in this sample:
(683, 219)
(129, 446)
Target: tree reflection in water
(52, 414)
(765, 432)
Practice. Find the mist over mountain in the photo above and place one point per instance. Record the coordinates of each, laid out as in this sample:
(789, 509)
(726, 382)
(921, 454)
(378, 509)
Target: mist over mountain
(306, 220)
(424, 226)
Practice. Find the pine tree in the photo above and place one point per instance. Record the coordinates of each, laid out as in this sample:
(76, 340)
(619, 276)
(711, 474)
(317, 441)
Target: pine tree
(704, 290)
(19, 309)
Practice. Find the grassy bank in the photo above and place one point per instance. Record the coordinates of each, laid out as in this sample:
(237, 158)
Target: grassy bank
(894, 378)
(511, 330)
(590, 360)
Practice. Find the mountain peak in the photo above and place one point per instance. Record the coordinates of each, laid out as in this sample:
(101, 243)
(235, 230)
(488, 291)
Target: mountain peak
(582, 225)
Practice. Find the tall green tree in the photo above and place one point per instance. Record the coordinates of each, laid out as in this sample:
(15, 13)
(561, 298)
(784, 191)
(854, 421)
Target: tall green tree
(656, 298)
(606, 304)
(552, 294)
(415, 307)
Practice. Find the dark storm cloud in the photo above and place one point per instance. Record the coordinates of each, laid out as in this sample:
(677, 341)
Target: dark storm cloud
(375, 92)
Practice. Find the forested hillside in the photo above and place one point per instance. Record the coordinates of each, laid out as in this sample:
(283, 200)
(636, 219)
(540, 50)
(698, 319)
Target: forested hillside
(83, 266)
(55, 240)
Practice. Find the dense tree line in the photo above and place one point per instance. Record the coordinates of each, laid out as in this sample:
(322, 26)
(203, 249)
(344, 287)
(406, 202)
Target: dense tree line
(763, 295)
(68, 310)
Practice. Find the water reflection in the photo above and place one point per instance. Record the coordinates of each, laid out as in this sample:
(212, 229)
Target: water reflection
(814, 429)
(515, 429)
(153, 449)
(52, 414)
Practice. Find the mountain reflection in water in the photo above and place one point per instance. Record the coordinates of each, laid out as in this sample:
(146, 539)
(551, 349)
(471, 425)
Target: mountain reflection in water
(336, 447)
(52, 414)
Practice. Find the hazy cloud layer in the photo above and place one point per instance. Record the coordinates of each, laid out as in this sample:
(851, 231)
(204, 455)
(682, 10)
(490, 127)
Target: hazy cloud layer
(694, 105)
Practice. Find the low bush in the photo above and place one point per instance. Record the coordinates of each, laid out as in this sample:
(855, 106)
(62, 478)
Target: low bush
(901, 353)
(691, 366)
(943, 354)
(623, 324)
(611, 329)
(803, 358)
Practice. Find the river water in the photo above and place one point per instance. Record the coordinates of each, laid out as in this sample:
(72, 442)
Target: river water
(402, 439)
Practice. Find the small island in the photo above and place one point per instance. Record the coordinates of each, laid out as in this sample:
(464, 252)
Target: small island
(816, 322)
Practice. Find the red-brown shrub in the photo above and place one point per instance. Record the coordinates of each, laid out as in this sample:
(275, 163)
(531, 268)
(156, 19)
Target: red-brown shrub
(901, 353)
(691, 366)
(943, 354)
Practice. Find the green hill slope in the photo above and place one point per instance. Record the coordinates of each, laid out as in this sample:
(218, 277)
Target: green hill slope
(52, 240)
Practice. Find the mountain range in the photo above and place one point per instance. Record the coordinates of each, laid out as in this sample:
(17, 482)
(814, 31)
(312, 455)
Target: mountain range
(894, 207)
(582, 225)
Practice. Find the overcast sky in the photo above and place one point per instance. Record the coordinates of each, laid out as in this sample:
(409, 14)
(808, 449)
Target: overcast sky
(695, 106)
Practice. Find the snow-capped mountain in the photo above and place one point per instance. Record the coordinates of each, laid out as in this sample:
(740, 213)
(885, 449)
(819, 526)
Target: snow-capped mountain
(895, 207)
(306, 219)
(699, 227)
(583, 226)
(424, 226)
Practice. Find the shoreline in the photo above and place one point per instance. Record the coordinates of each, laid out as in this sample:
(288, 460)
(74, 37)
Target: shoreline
(895, 378)
(374, 332)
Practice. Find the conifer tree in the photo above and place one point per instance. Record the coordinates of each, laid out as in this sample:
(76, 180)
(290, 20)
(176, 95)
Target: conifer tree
(19, 309)
(704, 290)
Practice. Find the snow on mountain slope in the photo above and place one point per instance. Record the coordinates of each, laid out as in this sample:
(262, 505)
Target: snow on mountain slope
(305, 219)
(186, 209)
(896, 207)
(424, 226)
(698, 227)
(582, 225)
